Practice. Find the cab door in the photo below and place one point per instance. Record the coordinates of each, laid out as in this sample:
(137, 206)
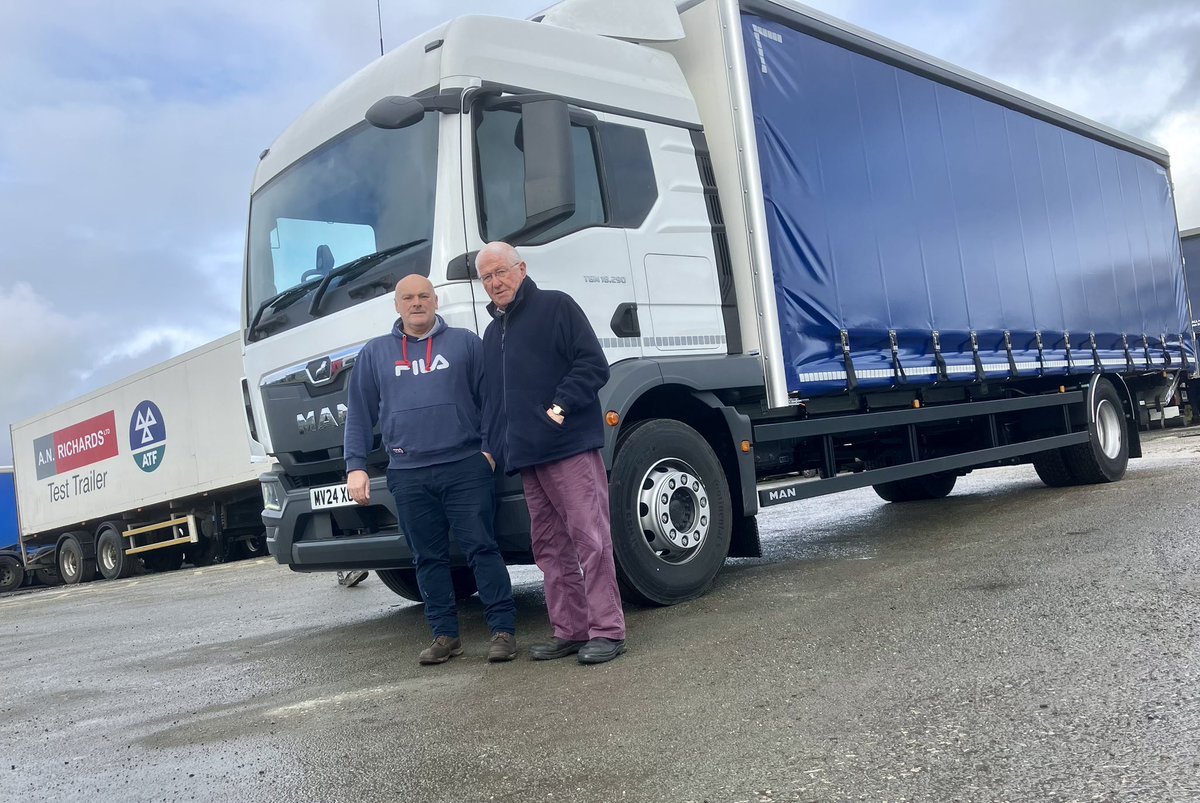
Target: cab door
(585, 256)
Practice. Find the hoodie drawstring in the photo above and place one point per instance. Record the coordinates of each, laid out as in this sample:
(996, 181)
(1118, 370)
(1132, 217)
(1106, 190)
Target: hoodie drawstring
(428, 351)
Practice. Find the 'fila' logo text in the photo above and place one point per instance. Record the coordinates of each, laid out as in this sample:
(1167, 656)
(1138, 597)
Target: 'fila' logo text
(419, 367)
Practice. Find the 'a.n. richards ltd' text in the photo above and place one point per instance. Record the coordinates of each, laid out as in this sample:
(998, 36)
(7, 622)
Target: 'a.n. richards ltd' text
(76, 446)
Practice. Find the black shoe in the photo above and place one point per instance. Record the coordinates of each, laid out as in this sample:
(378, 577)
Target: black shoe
(554, 648)
(599, 650)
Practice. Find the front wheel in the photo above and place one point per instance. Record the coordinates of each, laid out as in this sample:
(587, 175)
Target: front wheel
(671, 513)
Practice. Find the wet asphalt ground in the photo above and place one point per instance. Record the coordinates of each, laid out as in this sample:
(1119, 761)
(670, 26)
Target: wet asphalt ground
(1011, 642)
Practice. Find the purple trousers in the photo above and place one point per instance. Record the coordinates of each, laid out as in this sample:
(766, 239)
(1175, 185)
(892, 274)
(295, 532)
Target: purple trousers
(572, 544)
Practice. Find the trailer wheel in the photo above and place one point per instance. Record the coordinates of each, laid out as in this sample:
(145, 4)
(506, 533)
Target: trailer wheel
(12, 573)
(913, 489)
(1105, 456)
(110, 552)
(1052, 470)
(671, 513)
(73, 567)
(404, 582)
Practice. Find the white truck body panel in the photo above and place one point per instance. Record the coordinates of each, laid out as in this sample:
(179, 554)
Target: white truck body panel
(175, 430)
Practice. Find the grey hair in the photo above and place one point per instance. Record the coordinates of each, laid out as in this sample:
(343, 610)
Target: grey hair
(499, 249)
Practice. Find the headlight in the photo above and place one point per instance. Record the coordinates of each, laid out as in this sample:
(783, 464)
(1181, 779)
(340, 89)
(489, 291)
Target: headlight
(272, 496)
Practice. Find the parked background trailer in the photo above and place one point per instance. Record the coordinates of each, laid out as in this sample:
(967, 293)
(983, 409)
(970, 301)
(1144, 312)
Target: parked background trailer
(151, 468)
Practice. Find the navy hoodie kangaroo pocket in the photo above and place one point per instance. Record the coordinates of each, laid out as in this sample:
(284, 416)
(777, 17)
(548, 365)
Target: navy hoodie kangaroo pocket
(423, 430)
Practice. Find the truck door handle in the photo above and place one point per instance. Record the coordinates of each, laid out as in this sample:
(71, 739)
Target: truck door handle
(625, 321)
(462, 267)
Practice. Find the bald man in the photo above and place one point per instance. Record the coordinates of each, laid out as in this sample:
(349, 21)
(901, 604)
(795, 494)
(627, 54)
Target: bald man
(422, 384)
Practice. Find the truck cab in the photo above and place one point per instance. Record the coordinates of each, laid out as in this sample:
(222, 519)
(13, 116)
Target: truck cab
(584, 151)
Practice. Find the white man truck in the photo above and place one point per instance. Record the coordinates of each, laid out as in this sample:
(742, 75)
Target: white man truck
(145, 473)
(817, 260)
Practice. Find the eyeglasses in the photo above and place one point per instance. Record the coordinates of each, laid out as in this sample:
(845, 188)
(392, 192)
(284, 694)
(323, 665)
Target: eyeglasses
(499, 273)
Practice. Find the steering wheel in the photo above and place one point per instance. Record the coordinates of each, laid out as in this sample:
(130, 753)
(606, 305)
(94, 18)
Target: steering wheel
(310, 274)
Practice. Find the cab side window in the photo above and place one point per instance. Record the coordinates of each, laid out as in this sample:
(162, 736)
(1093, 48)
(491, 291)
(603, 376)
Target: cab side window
(500, 170)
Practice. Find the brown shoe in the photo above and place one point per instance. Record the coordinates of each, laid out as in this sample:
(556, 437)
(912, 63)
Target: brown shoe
(441, 650)
(504, 647)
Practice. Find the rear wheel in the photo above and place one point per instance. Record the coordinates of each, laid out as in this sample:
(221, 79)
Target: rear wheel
(12, 573)
(73, 567)
(1052, 469)
(110, 552)
(913, 489)
(671, 513)
(1105, 456)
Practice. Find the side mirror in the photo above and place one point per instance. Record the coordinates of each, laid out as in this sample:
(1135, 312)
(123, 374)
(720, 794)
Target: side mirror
(395, 111)
(549, 168)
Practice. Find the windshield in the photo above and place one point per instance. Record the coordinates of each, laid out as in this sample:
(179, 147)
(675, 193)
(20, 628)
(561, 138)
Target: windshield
(366, 192)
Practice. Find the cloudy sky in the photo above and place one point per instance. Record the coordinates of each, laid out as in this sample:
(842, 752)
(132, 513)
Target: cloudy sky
(129, 132)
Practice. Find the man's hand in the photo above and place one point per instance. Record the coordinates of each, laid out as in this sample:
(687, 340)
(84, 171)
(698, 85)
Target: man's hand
(553, 416)
(491, 460)
(358, 485)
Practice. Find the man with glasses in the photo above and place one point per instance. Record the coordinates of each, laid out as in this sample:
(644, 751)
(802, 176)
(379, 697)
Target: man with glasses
(544, 368)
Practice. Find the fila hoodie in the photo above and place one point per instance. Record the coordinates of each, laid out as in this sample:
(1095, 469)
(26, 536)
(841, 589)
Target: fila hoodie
(424, 394)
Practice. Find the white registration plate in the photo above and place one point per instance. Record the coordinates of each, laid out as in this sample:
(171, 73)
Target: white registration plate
(329, 496)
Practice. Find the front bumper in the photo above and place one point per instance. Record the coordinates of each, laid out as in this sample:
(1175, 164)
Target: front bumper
(368, 537)
(335, 539)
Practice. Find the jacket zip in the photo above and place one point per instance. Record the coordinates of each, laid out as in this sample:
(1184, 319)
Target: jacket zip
(504, 381)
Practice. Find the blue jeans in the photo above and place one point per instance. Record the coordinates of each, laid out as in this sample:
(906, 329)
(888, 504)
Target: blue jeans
(456, 499)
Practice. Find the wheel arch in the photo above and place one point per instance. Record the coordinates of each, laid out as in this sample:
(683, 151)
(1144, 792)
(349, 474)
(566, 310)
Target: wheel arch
(645, 390)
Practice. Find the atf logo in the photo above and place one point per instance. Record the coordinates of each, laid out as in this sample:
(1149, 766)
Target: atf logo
(147, 436)
(419, 367)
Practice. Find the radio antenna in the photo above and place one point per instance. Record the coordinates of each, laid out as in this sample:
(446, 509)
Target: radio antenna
(379, 17)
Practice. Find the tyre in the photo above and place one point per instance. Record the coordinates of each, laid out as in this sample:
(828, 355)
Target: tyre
(671, 513)
(111, 559)
(163, 560)
(12, 573)
(47, 577)
(1105, 456)
(1052, 469)
(931, 486)
(253, 546)
(402, 582)
(73, 567)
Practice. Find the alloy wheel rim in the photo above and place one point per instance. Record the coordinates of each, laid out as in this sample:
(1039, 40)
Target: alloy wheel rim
(673, 511)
